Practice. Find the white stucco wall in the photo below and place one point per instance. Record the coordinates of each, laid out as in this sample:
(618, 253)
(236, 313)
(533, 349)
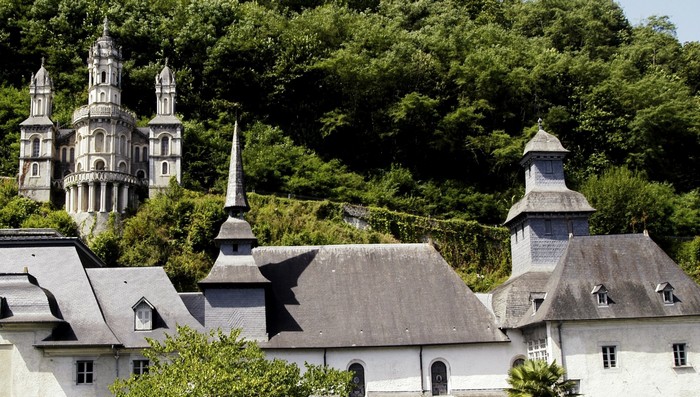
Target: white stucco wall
(644, 356)
(398, 369)
(31, 372)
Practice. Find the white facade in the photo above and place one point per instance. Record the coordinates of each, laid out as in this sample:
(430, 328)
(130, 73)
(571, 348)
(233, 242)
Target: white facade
(644, 356)
(406, 370)
(29, 371)
(104, 163)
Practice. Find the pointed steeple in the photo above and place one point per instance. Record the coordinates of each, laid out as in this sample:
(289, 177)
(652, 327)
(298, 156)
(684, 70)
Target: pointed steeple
(236, 200)
(104, 69)
(234, 289)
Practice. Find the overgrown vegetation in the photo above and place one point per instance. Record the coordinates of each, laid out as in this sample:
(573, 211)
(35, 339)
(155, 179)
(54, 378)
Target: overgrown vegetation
(21, 212)
(418, 107)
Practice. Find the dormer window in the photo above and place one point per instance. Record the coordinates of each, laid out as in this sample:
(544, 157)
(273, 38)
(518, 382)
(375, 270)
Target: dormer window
(143, 315)
(666, 291)
(601, 294)
(537, 298)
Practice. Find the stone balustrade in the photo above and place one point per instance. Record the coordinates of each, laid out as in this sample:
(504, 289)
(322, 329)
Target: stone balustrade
(103, 110)
(101, 176)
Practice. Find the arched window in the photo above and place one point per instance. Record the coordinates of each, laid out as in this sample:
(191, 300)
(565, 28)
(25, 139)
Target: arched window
(166, 109)
(80, 167)
(104, 77)
(438, 377)
(35, 169)
(102, 97)
(358, 380)
(164, 146)
(140, 174)
(122, 144)
(137, 154)
(122, 167)
(36, 147)
(164, 168)
(520, 360)
(72, 155)
(99, 165)
(64, 153)
(144, 157)
(38, 108)
(99, 142)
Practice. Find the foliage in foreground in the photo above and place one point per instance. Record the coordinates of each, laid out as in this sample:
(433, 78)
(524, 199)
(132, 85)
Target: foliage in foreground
(215, 364)
(536, 378)
(21, 212)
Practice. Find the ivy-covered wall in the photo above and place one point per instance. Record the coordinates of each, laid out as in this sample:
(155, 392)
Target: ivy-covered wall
(480, 254)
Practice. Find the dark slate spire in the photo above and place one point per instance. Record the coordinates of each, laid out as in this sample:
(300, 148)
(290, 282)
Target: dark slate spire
(236, 200)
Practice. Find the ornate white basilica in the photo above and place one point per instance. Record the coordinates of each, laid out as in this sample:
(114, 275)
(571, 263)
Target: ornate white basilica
(102, 163)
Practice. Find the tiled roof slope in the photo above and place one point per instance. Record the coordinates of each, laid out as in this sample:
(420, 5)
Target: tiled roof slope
(24, 301)
(556, 201)
(630, 267)
(118, 289)
(58, 264)
(512, 299)
(369, 295)
(544, 142)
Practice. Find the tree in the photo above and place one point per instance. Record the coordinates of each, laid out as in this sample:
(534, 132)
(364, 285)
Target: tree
(627, 203)
(216, 364)
(536, 378)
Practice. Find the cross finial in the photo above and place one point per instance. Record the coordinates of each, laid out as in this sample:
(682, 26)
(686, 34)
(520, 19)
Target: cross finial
(539, 123)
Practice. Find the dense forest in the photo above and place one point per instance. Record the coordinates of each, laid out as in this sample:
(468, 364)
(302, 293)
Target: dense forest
(420, 106)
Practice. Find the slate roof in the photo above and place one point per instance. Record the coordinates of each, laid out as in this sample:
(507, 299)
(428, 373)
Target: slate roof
(369, 295)
(37, 120)
(59, 266)
(119, 289)
(235, 229)
(24, 301)
(165, 119)
(559, 201)
(630, 266)
(234, 269)
(544, 142)
(512, 299)
(194, 301)
(236, 200)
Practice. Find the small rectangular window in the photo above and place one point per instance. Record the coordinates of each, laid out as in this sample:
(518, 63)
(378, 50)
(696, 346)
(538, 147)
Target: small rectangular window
(668, 296)
(143, 319)
(140, 367)
(548, 169)
(547, 227)
(602, 298)
(609, 357)
(84, 372)
(679, 355)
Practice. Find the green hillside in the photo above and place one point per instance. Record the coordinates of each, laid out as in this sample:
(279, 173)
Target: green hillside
(414, 106)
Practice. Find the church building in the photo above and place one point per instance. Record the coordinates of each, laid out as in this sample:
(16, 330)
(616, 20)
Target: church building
(104, 161)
